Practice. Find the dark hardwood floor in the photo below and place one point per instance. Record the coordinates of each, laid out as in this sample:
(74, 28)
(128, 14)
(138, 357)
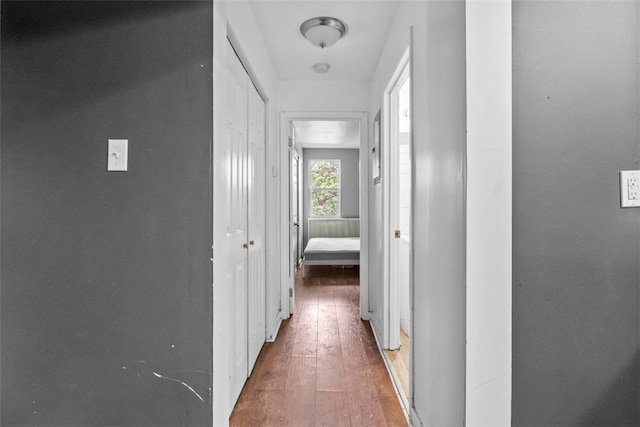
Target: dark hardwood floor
(324, 369)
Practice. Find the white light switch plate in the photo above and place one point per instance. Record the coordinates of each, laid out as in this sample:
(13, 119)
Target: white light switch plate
(629, 189)
(118, 155)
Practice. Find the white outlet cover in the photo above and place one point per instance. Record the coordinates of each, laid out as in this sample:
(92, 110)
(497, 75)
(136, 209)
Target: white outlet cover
(118, 155)
(629, 189)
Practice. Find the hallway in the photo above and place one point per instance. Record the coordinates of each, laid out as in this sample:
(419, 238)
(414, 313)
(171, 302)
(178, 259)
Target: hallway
(324, 367)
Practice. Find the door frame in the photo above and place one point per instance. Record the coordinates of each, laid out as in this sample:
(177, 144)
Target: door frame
(293, 266)
(391, 317)
(287, 282)
(297, 156)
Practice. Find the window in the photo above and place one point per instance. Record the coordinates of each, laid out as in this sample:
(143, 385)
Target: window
(325, 188)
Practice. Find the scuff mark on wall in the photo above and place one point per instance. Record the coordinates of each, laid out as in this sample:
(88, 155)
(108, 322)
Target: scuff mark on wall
(180, 382)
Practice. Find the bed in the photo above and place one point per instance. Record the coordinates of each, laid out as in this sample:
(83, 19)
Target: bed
(334, 241)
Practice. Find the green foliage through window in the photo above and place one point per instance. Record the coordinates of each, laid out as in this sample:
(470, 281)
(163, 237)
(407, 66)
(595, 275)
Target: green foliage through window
(325, 187)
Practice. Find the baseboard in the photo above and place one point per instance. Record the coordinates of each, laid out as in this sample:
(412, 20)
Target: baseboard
(405, 410)
(272, 332)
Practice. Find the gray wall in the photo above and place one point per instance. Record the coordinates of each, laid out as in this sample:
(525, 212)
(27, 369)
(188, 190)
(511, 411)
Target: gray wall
(349, 180)
(105, 277)
(575, 252)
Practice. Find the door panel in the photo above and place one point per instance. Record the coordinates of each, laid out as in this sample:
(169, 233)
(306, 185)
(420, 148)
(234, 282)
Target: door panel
(256, 221)
(295, 211)
(239, 215)
(237, 219)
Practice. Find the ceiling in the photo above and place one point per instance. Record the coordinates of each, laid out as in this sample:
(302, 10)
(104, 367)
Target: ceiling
(352, 58)
(327, 133)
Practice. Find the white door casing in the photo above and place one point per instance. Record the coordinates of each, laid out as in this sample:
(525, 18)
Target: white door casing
(286, 118)
(295, 212)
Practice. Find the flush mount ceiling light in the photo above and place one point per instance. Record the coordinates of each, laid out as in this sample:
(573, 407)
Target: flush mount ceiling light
(323, 31)
(322, 68)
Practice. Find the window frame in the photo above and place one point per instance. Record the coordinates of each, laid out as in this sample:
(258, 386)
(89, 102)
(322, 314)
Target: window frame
(339, 189)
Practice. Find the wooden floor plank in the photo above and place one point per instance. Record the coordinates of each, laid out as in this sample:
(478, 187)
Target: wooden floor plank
(393, 417)
(330, 373)
(299, 405)
(324, 368)
(361, 388)
(399, 366)
(376, 364)
(328, 336)
(271, 374)
(404, 347)
(306, 342)
(260, 408)
(331, 409)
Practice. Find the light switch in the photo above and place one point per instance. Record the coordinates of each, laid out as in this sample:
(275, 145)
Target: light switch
(118, 155)
(629, 189)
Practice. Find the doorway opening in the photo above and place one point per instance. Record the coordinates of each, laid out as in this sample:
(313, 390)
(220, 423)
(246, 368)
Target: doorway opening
(332, 141)
(399, 225)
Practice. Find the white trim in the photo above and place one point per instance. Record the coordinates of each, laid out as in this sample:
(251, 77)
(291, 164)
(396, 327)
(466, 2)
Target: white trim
(244, 60)
(360, 116)
(272, 332)
(489, 210)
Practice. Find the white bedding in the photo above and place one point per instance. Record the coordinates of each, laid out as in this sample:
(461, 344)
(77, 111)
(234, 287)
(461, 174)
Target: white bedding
(333, 244)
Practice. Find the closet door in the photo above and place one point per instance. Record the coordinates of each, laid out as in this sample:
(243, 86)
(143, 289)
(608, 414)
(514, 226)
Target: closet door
(256, 223)
(237, 234)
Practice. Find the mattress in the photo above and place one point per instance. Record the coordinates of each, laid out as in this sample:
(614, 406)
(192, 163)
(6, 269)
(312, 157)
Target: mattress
(333, 250)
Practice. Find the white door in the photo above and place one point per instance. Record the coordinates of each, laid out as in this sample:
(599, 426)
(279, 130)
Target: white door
(236, 217)
(238, 229)
(295, 210)
(299, 198)
(294, 216)
(256, 221)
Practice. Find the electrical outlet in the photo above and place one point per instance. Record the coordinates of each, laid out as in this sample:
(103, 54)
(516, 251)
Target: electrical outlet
(629, 189)
(632, 184)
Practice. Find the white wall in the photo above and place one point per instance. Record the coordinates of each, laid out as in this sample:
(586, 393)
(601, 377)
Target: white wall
(438, 66)
(323, 96)
(329, 99)
(395, 47)
(488, 400)
(237, 16)
(439, 193)
(439, 202)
